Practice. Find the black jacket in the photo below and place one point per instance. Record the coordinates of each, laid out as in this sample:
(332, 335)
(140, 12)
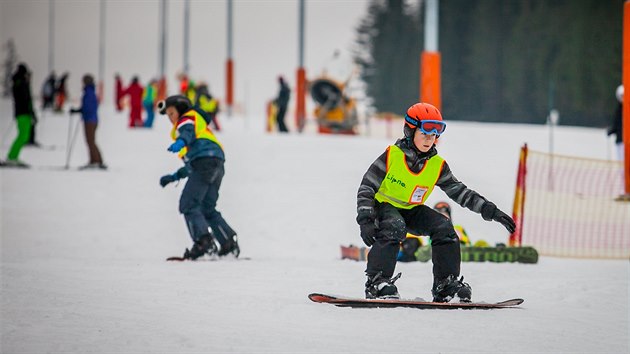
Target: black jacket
(453, 188)
(617, 127)
(284, 95)
(22, 100)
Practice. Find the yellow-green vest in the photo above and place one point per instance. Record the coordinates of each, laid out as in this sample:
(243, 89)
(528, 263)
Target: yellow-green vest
(202, 131)
(401, 187)
(208, 104)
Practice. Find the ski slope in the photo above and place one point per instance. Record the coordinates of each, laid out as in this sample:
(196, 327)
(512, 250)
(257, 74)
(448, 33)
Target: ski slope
(82, 253)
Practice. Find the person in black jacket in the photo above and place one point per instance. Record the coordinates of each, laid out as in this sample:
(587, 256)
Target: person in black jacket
(390, 203)
(24, 114)
(282, 102)
(616, 127)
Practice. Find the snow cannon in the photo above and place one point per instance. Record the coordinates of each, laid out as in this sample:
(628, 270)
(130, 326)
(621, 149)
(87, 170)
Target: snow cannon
(336, 113)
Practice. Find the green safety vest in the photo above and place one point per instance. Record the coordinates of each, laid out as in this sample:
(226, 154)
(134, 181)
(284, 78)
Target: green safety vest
(202, 131)
(401, 187)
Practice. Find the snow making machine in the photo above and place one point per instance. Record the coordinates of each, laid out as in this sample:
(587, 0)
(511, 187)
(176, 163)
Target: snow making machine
(336, 113)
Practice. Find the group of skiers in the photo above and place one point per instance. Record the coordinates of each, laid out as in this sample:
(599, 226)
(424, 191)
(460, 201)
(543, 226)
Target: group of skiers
(26, 118)
(141, 99)
(54, 92)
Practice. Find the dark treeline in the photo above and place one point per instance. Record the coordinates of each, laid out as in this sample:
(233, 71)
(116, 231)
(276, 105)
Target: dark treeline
(502, 60)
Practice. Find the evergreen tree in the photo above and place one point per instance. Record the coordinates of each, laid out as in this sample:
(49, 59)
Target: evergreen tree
(505, 61)
(388, 55)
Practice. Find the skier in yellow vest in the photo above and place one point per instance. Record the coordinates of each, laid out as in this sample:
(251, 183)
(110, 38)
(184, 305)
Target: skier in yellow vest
(390, 202)
(203, 155)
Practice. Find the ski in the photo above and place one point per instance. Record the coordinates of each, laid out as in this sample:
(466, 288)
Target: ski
(206, 259)
(15, 165)
(418, 303)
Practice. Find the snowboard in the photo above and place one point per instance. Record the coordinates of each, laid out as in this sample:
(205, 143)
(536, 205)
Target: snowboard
(418, 303)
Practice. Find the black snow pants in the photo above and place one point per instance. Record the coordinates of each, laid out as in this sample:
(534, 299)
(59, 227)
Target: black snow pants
(199, 200)
(393, 224)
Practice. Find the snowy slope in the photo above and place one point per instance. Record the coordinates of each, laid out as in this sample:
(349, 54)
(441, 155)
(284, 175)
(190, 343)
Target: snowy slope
(83, 270)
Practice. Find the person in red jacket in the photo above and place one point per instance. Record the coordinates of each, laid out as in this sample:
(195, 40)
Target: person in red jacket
(135, 91)
(119, 93)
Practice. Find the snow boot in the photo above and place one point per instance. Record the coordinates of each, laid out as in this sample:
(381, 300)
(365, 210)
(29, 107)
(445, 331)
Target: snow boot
(230, 247)
(446, 289)
(203, 245)
(379, 287)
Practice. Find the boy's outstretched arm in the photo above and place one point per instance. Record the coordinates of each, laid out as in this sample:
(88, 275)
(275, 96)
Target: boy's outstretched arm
(472, 200)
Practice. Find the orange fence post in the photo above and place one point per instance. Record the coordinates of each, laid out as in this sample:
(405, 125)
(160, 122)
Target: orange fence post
(229, 82)
(300, 109)
(516, 238)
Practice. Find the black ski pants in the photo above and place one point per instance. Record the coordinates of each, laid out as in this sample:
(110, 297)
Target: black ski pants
(393, 224)
(282, 110)
(199, 200)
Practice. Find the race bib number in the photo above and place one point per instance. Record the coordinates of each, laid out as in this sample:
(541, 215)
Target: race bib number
(417, 195)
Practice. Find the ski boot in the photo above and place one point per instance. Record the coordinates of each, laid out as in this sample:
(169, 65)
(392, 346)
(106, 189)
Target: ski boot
(379, 287)
(231, 247)
(203, 245)
(446, 289)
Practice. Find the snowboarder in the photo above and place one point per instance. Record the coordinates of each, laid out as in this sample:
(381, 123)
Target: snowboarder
(207, 106)
(390, 202)
(204, 159)
(89, 114)
(24, 114)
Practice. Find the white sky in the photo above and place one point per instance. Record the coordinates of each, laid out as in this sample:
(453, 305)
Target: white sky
(265, 41)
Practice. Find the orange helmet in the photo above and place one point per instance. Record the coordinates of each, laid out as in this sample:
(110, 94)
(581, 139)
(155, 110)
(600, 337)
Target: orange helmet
(423, 116)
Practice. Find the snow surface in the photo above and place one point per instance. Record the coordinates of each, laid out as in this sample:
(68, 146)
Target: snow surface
(82, 253)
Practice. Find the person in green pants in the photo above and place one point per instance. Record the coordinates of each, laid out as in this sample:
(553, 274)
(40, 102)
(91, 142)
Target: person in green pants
(24, 114)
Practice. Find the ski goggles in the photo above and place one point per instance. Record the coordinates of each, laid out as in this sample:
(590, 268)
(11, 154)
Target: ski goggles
(436, 127)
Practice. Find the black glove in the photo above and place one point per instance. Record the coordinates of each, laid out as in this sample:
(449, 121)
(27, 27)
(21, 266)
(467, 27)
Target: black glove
(165, 180)
(368, 231)
(489, 212)
(365, 219)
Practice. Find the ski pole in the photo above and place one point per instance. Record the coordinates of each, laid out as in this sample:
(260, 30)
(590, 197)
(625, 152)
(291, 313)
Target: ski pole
(71, 140)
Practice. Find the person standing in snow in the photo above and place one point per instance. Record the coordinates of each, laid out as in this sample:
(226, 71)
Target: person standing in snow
(616, 127)
(390, 202)
(61, 93)
(118, 94)
(282, 102)
(148, 101)
(48, 91)
(134, 91)
(24, 114)
(207, 105)
(204, 158)
(89, 114)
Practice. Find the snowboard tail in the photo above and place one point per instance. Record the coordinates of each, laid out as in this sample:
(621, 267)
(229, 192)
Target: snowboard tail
(341, 301)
